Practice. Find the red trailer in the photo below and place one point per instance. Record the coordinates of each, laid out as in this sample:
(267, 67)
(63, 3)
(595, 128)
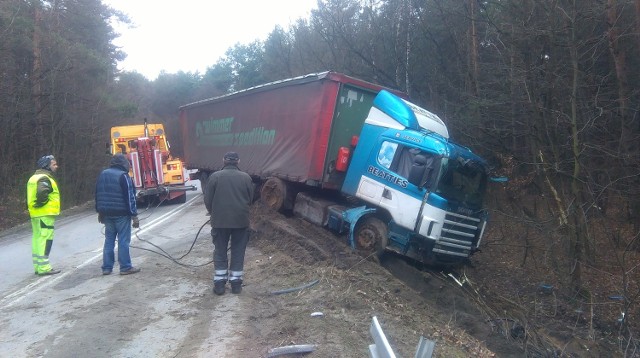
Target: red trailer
(294, 129)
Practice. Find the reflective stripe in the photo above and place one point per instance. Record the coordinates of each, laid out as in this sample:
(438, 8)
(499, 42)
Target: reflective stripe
(236, 275)
(40, 260)
(220, 275)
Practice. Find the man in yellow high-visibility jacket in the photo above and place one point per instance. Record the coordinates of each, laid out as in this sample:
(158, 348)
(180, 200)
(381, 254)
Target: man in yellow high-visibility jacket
(43, 201)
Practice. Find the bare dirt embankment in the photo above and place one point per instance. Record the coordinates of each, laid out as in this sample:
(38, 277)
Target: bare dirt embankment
(409, 303)
(473, 311)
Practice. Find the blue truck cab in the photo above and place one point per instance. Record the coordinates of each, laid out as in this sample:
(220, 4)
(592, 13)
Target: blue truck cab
(423, 192)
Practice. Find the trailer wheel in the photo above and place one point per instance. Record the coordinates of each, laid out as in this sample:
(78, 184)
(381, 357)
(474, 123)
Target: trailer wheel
(273, 193)
(204, 179)
(371, 237)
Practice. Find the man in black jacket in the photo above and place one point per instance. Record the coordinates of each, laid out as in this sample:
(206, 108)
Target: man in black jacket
(228, 195)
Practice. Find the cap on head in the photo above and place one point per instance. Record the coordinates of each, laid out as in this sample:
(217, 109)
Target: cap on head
(231, 157)
(45, 161)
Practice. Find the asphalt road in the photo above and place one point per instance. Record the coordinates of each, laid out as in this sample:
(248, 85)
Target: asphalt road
(77, 242)
(80, 312)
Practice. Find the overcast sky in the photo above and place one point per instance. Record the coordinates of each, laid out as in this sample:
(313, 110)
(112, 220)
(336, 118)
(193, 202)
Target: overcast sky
(190, 35)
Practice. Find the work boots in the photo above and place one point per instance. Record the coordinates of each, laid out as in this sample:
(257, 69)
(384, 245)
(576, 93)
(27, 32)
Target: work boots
(236, 286)
(218, 287)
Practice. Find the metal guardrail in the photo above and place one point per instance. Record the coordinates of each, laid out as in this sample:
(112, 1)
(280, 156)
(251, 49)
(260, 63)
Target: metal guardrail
(381, 348)
(425, 348)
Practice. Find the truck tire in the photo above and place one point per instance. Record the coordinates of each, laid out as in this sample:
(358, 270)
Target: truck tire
(273, 193)
(371, 237)
(204, 178)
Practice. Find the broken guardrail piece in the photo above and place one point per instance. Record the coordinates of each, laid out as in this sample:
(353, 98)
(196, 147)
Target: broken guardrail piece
(298, 348)
(381, 348)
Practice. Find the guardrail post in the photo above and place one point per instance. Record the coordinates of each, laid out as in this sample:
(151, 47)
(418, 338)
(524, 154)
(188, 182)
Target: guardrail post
(425, 348)
(381, 348)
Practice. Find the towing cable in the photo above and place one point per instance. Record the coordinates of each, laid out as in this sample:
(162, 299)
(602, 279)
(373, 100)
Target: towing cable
(162, 252)
(165, 254)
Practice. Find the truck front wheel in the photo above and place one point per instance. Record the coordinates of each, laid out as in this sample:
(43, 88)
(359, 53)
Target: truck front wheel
(371, 237)
(273, 193)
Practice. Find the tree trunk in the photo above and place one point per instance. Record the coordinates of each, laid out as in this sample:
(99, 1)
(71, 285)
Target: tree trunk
(638, 23)
(618, 54)
(576, 226)
(36, 84)
(473, 56)
(398, 43)
(407, 86)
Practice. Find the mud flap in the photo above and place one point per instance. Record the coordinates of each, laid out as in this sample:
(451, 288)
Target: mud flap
(352, 216)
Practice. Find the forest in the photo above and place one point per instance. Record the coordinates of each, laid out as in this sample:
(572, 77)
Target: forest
(546, 90)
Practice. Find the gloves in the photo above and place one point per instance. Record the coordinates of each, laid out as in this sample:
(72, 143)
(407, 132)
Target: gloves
(135, 222)
(100, 218)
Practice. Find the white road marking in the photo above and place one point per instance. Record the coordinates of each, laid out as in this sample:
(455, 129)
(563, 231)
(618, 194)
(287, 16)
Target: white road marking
(47, 281)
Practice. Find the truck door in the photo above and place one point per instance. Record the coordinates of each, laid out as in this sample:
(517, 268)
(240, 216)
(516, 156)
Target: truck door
(402, 199)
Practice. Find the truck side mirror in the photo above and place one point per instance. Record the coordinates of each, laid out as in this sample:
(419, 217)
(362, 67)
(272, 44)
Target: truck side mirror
(417, 169)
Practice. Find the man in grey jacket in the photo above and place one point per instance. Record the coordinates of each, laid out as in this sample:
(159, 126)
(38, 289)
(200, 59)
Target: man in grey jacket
(228, 195)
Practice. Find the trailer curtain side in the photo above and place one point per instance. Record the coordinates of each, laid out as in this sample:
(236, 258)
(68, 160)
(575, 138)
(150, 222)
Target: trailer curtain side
(291, 130)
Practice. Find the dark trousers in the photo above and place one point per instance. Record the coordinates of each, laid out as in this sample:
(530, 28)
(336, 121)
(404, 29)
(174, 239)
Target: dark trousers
(224, 269)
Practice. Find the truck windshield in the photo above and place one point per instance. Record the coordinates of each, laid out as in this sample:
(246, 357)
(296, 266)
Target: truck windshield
(462, 181)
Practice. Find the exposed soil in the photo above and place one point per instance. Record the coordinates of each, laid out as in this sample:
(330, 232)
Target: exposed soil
(487, 309)
(351, 290)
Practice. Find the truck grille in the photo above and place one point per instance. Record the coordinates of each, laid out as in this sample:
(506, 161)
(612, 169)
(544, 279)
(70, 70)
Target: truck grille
(458, 235)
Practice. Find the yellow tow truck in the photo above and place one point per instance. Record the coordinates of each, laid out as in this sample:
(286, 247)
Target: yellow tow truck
(156, 174)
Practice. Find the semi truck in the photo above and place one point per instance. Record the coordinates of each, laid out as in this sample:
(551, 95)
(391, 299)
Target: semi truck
(350, 155)
(157, 175)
